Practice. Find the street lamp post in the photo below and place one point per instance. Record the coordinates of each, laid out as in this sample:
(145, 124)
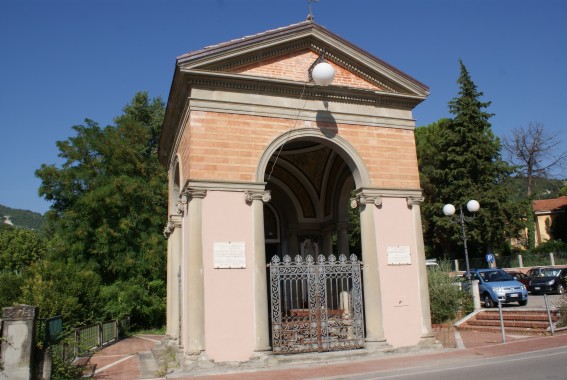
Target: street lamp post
(449, 210)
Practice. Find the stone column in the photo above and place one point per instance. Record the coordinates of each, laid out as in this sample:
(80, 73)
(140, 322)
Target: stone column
(194, 289)
(426, 330)
(371, 282)
(292, 243)
(261, 320)
(18, 338)
(173, 234)
(327, 243)
(342, 239)
(169, 280)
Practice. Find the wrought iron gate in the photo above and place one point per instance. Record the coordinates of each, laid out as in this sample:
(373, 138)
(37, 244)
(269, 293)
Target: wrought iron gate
(316, 306)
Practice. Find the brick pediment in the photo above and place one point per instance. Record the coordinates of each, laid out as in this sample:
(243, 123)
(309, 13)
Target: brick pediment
(295, 66)
(287, 53)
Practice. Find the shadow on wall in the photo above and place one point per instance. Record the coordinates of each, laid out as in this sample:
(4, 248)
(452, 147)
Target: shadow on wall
(326, 123)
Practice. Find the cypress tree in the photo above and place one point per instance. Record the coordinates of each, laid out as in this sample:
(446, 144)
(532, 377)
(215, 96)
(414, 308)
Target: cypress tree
(468, 165)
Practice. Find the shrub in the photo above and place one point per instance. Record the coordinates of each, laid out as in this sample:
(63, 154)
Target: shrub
(445, 295)
(562, 306)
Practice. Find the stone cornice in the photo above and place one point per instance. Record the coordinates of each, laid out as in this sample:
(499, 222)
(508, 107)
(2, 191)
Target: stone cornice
(294, 89)
(299, 45)
(224, 185)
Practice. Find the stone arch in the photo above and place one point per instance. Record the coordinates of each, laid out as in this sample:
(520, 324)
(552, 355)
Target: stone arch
(175, 185)
(340, 145)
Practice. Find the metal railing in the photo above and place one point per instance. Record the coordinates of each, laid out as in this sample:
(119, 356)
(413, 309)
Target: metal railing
(82, 340)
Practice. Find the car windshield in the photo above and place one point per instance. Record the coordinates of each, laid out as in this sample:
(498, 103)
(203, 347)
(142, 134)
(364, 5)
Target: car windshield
(495, 275)
(549, 273)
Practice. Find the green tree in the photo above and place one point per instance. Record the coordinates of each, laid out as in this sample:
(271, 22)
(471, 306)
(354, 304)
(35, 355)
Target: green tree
(66, 289)
(10, 288)
(19, 248)
(461, 160)
(428, 145)
(109, 197)
(534, 153)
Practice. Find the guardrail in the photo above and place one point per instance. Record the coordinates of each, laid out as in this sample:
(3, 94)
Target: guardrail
(85, 339)
(95, 336)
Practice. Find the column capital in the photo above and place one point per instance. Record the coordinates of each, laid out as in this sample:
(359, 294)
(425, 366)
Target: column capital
(263, 195)
(194, 193)
(181, 203)
(186, 195)
(173, 222)
(363, 199)
(414, 200)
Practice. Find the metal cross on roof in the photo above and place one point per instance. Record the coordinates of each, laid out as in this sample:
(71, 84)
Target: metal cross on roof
(310, 15)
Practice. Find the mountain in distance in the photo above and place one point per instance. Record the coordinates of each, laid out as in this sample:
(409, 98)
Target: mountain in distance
(21, 218)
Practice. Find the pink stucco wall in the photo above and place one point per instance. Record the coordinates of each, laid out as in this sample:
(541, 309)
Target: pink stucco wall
(229, 293)
(394, 226)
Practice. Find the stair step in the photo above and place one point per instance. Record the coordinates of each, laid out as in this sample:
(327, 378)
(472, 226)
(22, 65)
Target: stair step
(522, 324)
(516, 316)
(513, 330)
(517, 321)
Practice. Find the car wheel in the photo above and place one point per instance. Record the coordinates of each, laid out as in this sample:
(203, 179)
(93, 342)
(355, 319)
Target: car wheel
(560, 289)
(523, 303)
(488, 301)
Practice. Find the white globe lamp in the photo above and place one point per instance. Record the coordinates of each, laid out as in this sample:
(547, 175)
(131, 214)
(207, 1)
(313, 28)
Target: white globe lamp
(323, 74)
(449, 210)
(473, 206)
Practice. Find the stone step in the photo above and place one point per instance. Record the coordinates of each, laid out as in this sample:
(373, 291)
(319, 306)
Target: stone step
(528, 322)
(511, 316)
(541, 325)
(507, 330)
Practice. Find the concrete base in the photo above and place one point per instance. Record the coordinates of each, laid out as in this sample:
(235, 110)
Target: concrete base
(200, 365)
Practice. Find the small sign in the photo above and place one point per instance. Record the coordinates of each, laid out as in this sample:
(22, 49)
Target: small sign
(399, 255)
(489, 258)
(229, 255)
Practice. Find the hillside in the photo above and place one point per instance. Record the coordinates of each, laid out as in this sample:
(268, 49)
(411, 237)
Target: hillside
(22, 218)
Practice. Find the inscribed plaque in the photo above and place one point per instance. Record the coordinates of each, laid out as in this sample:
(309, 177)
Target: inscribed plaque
(229, 254)
(399, 255)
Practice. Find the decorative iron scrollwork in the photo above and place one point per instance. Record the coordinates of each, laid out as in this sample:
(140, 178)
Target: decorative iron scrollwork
(316, 304)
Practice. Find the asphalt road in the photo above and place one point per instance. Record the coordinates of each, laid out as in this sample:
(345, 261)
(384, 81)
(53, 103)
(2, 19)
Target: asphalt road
(538, 300)
(541, 364)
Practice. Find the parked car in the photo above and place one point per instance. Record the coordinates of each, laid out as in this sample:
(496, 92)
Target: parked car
(535, 272)
(495, 285)
(549, 280)
(521, 277)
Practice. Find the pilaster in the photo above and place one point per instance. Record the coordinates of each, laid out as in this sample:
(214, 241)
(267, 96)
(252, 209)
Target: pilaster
(261, 325)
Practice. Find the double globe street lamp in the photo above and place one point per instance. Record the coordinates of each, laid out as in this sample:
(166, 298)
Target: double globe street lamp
(449, 210)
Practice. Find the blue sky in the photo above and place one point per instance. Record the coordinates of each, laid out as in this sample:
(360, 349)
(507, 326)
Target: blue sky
(66, 60)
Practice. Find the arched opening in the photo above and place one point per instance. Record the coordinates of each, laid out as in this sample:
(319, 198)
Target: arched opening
(311, 179)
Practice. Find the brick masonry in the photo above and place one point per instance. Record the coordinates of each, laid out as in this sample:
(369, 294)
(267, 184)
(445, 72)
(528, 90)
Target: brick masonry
(224, 146)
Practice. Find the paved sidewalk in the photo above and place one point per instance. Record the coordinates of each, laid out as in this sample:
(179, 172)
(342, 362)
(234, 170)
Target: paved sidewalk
(121, 361)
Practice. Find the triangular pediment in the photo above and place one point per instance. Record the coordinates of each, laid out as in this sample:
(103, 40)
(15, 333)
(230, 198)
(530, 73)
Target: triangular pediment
(287, 53)
(295, 66)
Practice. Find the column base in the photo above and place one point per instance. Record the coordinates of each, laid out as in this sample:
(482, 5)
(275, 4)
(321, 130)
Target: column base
(429, 341)
(377, 346)
(263, 349)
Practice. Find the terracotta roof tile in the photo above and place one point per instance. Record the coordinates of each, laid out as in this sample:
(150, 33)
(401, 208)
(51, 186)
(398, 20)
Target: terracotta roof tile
(549, 204)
